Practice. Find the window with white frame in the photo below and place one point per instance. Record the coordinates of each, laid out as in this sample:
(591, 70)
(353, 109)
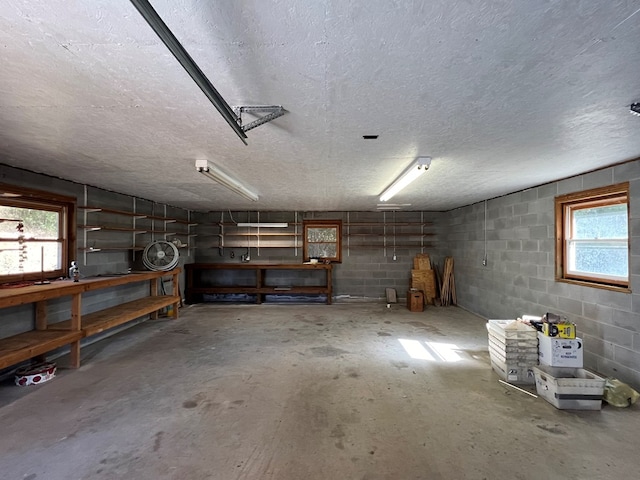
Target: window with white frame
(592, 236)
(37, 233)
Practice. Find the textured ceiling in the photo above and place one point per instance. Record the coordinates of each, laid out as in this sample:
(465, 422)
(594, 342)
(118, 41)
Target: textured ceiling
(503, 95)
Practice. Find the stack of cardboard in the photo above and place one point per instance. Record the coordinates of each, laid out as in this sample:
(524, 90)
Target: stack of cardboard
(423, 277)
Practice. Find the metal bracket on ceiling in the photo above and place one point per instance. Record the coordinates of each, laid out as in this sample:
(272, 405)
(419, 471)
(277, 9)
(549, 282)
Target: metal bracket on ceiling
(272, 112)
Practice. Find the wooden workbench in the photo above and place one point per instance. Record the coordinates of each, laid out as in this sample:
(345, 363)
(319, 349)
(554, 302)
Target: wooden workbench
(194, 289)
(45, 337)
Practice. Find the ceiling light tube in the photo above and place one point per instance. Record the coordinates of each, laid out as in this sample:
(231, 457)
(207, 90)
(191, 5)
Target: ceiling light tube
(264, 225)
(417, 168)
(213, 172)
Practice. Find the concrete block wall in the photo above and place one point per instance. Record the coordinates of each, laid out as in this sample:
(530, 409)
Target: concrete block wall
(519, 276)
(364, 273)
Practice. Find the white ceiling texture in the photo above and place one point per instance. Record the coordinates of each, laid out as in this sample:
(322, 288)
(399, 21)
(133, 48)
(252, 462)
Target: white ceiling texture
(504, 95)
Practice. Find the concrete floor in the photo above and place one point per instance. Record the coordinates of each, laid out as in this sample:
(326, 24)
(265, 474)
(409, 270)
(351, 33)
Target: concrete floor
(293, 392)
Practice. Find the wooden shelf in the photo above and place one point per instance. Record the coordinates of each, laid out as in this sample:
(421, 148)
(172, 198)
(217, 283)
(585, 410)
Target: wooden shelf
(385, 235)
(255, 245)
(111, 210)
(234, 224)
(263, 234)
(389, 235)
(113, 228)
(31, 344)
(149, 224)
(387, 224)
(113, 249)
(45, 338)
(391, 246)
(98, 322)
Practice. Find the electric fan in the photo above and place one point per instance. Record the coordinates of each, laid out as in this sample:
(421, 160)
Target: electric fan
(160, 255)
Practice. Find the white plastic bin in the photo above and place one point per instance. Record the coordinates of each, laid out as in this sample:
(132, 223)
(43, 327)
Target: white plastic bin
(511, 330)
(569, 388)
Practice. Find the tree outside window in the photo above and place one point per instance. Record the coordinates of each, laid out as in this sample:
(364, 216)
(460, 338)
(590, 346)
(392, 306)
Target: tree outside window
(35, 233)
(323, 240)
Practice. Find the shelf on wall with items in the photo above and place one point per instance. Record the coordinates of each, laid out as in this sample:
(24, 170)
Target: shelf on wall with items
(112, 228)
(96, 209)
(138, 223)
(128, 248)
(112, 249)
(397, 245)
(258, 237)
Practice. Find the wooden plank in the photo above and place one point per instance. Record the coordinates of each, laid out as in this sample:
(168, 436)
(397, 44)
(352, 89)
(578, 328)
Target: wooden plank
(176, 293)
(447, 293)
(263, 290)
(153, 291)
(36, 293)
(422, 261)
(102, 320)
(24, 346)
(257, 266)
(238, 289)
(76, 314)
(425, 281)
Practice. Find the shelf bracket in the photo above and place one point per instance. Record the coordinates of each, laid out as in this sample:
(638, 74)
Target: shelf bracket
(272, 112)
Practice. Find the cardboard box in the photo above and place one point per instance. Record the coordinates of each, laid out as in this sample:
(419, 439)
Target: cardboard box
(569, 388)
(415, 301)
(560, 352)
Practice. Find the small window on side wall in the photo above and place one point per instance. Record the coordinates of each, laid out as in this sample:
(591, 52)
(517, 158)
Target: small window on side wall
(37, 234)
(323, 240)
(592, 237)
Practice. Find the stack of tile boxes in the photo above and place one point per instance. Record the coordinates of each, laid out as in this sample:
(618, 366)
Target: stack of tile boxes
(513, 349)
(560, 378)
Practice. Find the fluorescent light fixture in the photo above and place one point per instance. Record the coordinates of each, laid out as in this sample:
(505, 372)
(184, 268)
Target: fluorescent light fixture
(263, 225)
(213, 172)
(417, 168)
(392, 206)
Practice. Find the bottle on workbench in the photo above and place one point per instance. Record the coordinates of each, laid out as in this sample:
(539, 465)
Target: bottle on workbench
(74, 272)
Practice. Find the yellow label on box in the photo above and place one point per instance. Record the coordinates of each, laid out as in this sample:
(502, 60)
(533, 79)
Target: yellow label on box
(560, 330)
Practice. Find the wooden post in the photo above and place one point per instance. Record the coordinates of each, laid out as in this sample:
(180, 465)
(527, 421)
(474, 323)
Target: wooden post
(188, 295)
(76, 325)
(153, 291)
(41, 315)
(259, 283)
(176, 293)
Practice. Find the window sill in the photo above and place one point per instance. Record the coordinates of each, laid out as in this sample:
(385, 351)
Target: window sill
(602, 286)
